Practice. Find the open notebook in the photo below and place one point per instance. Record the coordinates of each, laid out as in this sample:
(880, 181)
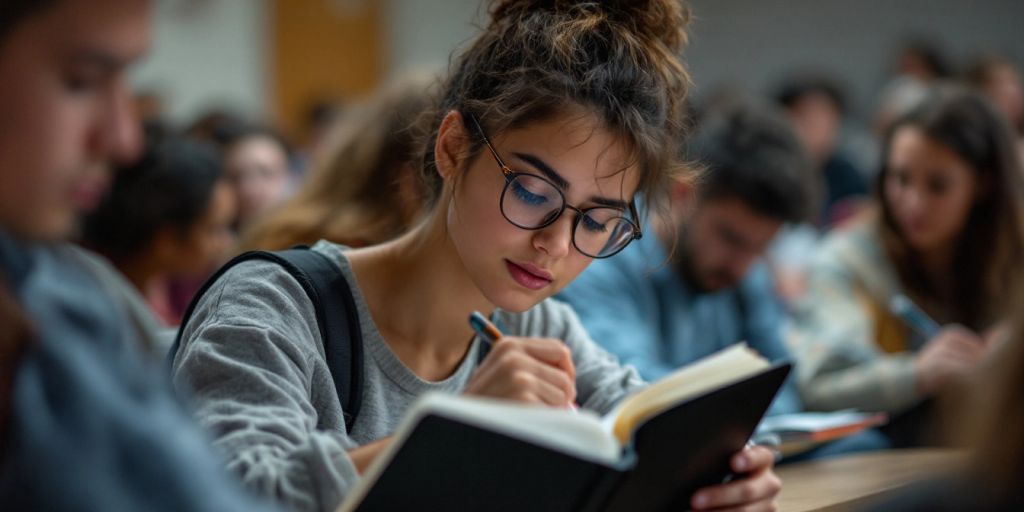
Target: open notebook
(798, 432)
(651, 453)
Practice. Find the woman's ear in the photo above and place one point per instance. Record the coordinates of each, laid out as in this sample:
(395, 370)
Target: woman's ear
(452, 145)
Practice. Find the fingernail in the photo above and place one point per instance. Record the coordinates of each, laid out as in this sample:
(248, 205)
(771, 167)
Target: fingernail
(742, 463)
(700, 501)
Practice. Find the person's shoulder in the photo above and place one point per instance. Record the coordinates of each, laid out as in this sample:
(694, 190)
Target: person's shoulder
(332, 250)
(857, 240)
(254, 292)
(758, 280)
(257, 273)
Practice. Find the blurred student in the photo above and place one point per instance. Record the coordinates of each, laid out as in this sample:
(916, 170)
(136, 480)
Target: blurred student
(167, 216)
(88, 425)
(364, 189)
(948, 235)
(923, 59)
(918, 64)
(256, 163)
(697, 283)
(815, 107)
(1000, 81)
(553, 119)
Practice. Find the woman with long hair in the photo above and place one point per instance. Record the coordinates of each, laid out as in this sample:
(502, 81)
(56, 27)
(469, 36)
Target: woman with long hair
(363, 189)
(948, 235)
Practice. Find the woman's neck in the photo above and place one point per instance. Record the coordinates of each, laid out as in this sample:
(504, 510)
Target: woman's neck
(141, 271)
(420, 297)
(937, 264)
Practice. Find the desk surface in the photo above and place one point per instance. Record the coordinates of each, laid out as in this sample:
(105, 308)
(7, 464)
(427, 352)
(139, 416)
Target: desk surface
(858, 480)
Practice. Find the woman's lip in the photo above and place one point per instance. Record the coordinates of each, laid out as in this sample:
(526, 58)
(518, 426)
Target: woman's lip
(914, 225)
(537, 271)
(87, 196)
(525, 277)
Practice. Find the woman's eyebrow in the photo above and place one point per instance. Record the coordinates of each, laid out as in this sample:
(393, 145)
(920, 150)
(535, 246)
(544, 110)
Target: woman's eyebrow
(553, 175)
(543, 167)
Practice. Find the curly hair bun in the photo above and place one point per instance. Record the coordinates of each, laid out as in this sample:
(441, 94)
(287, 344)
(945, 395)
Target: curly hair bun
(661, 20)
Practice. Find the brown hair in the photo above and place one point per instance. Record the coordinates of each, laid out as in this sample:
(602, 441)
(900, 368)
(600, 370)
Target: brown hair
(986, 413)
(619, 60)
(991, 247)
(354, 194)
(13, 12)
(998, 433)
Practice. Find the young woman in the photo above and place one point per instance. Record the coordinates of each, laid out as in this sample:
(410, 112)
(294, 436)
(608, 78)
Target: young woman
(950, 236)
(364, 189)
(555, 117)
(166, 217)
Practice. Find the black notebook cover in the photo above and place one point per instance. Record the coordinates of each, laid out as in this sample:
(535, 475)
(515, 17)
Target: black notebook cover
(689, 446)
(446, 464)
(449, 465)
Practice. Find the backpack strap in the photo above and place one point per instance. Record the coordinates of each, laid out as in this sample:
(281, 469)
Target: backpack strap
(329, 291)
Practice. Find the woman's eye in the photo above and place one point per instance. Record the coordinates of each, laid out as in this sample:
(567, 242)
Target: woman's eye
(524, 195)
(77, 85)
(592, 225)
(938, 187)
(77, 81)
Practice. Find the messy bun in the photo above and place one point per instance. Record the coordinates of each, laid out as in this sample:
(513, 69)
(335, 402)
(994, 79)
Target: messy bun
(653, 19)
(619, 60)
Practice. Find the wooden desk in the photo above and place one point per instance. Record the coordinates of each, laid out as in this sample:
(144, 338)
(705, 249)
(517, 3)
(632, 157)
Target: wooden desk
(858, 480)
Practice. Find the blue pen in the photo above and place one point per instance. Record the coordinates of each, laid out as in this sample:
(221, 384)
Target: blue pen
(490, 333)
(484, 328)
(913, 316)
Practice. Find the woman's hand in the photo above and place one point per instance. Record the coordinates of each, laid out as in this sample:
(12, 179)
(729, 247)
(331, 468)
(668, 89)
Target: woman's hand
(950, 354)
(755, 491)
(364, 455)
(531, 370)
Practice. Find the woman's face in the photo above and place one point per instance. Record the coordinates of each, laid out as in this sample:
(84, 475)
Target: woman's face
(516, 268)
(206, 243)
(929, 189)
(257, 167)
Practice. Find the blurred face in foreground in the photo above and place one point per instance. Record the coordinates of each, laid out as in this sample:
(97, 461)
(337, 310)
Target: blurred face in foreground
(66, 108)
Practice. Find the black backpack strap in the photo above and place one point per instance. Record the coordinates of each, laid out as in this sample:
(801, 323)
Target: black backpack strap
(329, 291)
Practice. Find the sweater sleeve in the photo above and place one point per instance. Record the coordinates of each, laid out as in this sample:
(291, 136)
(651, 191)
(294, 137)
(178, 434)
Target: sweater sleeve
(250, 358)
(840, 365)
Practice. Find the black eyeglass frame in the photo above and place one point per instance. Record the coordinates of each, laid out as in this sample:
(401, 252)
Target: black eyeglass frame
(510, 176)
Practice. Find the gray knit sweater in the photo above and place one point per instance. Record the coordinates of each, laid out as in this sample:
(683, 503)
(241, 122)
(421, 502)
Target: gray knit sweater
(252, 360)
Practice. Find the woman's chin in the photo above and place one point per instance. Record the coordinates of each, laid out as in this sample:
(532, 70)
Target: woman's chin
(518, 301)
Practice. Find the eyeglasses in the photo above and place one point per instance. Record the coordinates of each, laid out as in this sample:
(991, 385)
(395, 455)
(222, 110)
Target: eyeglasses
(533, 202)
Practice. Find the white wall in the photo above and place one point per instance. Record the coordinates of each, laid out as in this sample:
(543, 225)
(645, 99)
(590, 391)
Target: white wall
(421, 34)
(752, 43)
(214, 51)
(208, 52)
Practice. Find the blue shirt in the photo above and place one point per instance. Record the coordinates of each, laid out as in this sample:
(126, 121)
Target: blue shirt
(637, 306)
(93, 426)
